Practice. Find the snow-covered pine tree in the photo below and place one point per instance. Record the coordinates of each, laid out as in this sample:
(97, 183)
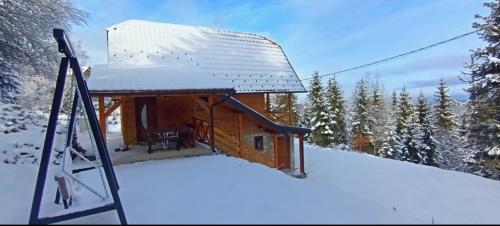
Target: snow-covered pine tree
(426, 133)
(406, 129)
(279, 103)
(10, 85)
(26, 38)
(305, 119)
(295, 110)
(321, 132)
(394, 102)
(444, 122)
(336, 112)
(361, 134)
(390, 148)
(484, 89)
(379, 117)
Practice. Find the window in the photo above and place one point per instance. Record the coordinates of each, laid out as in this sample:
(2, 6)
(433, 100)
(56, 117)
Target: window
(258, 142)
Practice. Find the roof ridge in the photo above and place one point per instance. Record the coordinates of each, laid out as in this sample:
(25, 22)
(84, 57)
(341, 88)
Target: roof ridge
(184, 25)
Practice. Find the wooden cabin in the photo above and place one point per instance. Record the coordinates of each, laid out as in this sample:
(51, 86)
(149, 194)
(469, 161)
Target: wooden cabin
(208, 85)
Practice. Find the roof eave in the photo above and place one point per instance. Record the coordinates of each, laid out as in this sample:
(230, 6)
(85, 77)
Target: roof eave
(160, 92)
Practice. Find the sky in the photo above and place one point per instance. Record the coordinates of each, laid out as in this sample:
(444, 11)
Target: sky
(322, 35)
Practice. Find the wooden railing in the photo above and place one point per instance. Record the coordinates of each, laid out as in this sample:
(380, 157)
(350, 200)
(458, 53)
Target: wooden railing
(230, 144)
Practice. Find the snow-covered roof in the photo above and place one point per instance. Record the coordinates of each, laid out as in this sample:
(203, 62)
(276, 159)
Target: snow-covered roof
(250, 62)
(116, 79)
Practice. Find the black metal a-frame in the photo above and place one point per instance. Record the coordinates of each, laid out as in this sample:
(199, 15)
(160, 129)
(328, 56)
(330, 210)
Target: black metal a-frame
(70, 61)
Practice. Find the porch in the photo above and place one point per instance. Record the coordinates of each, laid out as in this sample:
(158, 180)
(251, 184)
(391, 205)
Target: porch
(139, 153)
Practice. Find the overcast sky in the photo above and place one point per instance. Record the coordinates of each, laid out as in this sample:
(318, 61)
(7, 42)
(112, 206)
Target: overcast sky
(323, 35)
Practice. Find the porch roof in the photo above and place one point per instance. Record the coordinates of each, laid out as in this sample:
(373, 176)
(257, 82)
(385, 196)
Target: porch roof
(124, 79)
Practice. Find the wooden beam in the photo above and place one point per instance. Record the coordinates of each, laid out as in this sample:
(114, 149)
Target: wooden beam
(211, 122)
(102, 117)
(268, 104)
(200, 103)
(301, 153)
(115, 106)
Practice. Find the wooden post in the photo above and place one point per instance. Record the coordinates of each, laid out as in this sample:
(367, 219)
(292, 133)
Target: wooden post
(240, 130)
(290, 108)
(268, 104)
(211, 122)
(276, 151)
(102, 117)
(301, 153)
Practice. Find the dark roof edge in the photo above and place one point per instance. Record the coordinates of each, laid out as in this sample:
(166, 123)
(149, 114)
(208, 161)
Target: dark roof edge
(278, 127)
(158, 92)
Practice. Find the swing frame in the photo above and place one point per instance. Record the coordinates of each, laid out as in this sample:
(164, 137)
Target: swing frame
(70, 61)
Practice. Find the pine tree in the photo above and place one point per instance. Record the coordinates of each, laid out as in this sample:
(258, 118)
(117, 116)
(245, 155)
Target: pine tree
(10, 86)
(321, 132)
(379, 117)
(444, 121)
(484, 89)
(406, 129)
(412, 144)
(295, 110)
(394, 102)
(26, 38)
(305, 119)
(337, 112)
(390, 147)
(362, 136)
(426, 133)
(279, 103)
(404, 111)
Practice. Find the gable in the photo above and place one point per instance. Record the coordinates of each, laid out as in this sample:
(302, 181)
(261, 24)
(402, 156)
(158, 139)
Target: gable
(250, 62)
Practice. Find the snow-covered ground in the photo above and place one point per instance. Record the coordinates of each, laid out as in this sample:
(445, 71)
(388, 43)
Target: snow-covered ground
(341, 187)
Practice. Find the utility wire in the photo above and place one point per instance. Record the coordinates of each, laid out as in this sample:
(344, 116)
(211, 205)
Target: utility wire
(396, 56)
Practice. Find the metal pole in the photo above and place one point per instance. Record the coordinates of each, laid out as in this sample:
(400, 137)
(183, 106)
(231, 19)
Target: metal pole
(74, 109)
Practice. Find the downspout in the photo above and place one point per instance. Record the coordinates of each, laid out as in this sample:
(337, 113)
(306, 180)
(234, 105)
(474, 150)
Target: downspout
(212, 133)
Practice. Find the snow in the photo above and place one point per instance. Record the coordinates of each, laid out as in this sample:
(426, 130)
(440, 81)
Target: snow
(250, 62)
(494, 59)
(341, 187)
(494, 151)
(14, 118)
(114, 77)
(492, 78)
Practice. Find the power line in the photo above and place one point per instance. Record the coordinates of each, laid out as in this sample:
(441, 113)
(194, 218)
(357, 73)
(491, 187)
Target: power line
(396, 56)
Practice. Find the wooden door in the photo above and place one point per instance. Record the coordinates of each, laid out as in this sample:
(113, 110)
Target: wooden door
(145, 115)
(284, 157)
